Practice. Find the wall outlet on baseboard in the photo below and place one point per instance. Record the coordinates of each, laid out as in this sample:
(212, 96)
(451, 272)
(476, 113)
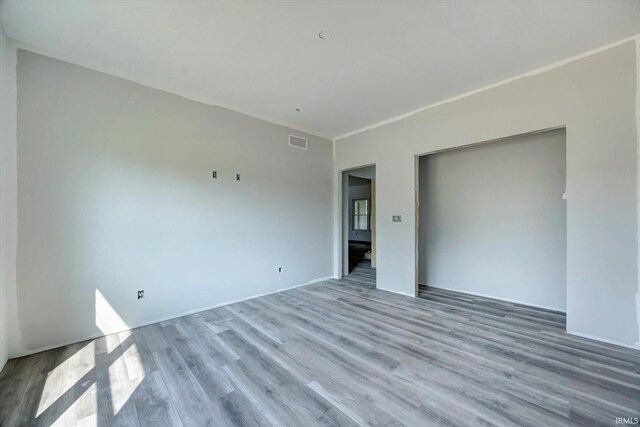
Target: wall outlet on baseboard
(140, 294)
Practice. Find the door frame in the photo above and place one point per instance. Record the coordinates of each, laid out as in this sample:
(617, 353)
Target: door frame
(417, 185)
(343, 219)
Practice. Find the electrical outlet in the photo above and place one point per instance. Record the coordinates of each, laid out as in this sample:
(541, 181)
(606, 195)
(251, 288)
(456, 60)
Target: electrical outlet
(215, 174)
(237, 177)
(279, 269)
(396, 218)
(140, 294)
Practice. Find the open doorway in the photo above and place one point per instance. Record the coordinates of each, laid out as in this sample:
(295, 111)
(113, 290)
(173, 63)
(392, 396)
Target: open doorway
(492, 227)
(358, 223)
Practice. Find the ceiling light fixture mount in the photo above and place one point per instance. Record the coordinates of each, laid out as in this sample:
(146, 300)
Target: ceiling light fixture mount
(324, 35)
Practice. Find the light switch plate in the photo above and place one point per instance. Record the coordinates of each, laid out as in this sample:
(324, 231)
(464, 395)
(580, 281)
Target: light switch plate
(396, 218)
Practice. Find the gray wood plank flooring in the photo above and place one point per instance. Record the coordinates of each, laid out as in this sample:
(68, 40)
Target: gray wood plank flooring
(334, 353)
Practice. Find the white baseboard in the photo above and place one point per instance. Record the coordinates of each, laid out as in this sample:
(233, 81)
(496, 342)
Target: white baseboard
(397, 292)
(604, 340)
(515, 301)
(158, 320)
(577, 334)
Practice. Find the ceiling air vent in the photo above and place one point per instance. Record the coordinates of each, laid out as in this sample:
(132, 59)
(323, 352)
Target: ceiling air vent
(297, 142)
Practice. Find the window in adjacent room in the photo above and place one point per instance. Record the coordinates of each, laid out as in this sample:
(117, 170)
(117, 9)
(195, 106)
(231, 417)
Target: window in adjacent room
(361, 214)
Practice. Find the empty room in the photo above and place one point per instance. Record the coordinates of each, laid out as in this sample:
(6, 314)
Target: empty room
(319, 213)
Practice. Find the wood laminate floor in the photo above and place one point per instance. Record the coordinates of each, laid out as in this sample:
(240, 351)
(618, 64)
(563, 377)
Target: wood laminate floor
(335, 353)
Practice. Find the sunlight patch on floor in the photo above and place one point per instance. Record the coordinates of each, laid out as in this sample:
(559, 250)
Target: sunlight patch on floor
(125, 369)
(122, 388)
(69, 379)
(84, 407)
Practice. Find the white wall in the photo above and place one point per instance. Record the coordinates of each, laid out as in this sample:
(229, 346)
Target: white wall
(10, 336)
(595, 98)
(115, 194)
(367, 172)
(4, 340)
(493, 221)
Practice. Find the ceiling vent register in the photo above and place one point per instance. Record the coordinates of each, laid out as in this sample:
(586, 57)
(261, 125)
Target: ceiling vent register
(297, 142)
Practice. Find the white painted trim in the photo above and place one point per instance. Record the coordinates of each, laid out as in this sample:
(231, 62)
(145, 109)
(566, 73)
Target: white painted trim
(603, 340)
(515, 301)
(396, 292)
(488, 87)
(141, 80)
(9, 203)
(336, 182)
(339, 243)
(577, 334)
(163, 319)
(333, 141)
(637, 344)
